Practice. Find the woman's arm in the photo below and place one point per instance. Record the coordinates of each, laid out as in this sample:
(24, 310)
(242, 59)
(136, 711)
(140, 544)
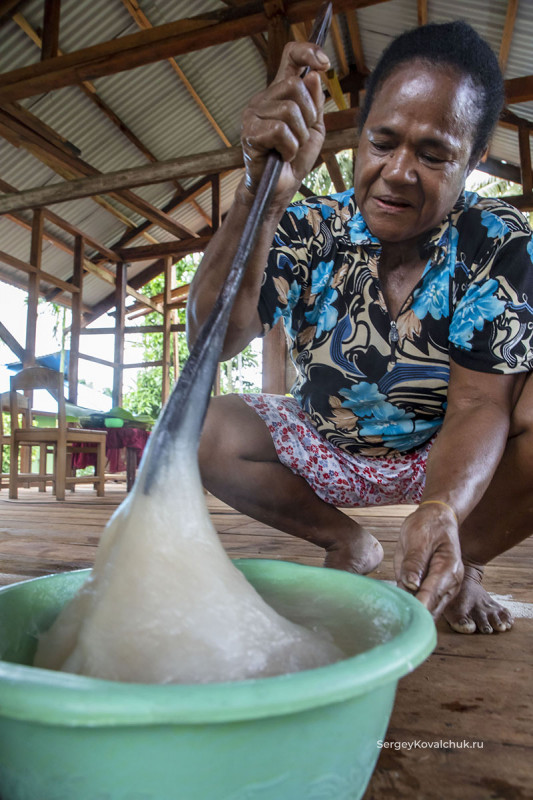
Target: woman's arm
(287, 117)
(460, 467)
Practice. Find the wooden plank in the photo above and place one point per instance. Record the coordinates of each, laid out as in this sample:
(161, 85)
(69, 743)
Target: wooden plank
(97, 360)
(334, 170)
(339, 46)
(519, 90)
(51, 19)
(30, 269)
(77, 280)
(507, 35)
(355, 39)
(8, 338)
(522, 201)
(177, 249)
(184, 167)
(120, 320)
(422, 12)
(177, 327)
(149, 46)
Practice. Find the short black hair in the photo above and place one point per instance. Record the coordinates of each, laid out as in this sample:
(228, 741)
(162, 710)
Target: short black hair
(458, 46)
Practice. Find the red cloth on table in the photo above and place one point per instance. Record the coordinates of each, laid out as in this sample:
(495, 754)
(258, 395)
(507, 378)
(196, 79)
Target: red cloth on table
(116, 441)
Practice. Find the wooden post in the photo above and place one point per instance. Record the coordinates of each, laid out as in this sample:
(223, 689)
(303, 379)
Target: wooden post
(75, 328)
(120, 322)
(52, 13)
(274, 343)
(167, 322)
(274, 356)
(33, 286)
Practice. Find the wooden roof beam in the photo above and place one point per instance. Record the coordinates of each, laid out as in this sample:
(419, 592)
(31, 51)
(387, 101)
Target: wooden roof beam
(185, 167)
(507, 35)
(133, 8)
(176, 249)
(89, 90)
(23, 128)
(355, 39)
(51, 17)
(338, 46)
(519, 90)
(422, 12)
(156, 44)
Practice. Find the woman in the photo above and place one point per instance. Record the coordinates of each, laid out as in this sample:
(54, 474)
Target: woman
(406, 306)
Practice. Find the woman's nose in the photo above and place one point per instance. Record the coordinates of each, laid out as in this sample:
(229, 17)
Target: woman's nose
(399, 167)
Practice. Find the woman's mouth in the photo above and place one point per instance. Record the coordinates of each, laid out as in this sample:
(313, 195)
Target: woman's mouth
(392, 203)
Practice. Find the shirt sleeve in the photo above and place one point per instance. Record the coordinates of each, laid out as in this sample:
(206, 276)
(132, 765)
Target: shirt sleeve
(491, 328)
(287, 271)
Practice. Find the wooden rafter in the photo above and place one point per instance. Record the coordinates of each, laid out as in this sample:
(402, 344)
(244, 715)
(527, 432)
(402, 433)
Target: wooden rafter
(156, 44)
(422, 12)
(508, 30)
(132, 6)
(524, 144)
(176, 249)
(188, 166)
(22, 128)
(89, 90)
(339, 46)
(355, 39)
(519, 90)
(11, 342)
(52, 13)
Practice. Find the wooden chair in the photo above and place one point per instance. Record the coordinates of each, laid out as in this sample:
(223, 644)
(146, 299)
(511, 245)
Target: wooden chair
(61, 440)
(5, 435)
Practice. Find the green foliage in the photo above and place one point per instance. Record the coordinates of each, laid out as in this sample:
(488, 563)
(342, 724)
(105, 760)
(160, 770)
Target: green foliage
(146, 397)
(492, 186)
(319, 180)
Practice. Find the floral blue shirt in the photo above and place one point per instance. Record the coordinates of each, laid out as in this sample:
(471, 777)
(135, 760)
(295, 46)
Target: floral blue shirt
(373, 385)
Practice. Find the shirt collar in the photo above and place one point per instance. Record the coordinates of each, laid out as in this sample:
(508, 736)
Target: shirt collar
(438, 240)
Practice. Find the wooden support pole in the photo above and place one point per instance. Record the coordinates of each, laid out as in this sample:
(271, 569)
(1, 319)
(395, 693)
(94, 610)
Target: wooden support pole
(508, 30)
(167, 321)
(274, 354)
(422, 12)
(52, 13)
(524, 144)
(33, 286)
(77, 280)
(120, 320)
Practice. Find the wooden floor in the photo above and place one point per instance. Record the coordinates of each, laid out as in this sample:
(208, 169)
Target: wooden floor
(472, 689)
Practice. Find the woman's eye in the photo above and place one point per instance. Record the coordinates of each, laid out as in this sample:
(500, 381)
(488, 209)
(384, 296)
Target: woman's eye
(432, 159)
(381, 146)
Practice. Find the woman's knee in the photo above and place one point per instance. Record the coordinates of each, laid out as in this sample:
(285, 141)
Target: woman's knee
(522, 414)
(232, 430)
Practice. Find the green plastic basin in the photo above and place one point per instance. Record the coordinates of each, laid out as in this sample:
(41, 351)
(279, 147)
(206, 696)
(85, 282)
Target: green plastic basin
(310, 735)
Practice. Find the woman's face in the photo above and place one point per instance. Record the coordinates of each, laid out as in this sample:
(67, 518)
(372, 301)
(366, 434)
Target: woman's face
(415, 151)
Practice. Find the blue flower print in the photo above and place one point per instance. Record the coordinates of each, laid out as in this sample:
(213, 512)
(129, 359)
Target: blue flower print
(471, 198)
(299, 211)
(293, 295)
(433, 296)
(381, 418)
(321, 276)
(359, 233)
(479, 305)
(324, 315)
(343, 198)
(325, 210)
(496, 227)
(451, 256)
(530, 248)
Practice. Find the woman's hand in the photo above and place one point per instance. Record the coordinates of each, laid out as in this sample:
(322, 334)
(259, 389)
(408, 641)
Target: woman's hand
(287, 117)
(427, 561)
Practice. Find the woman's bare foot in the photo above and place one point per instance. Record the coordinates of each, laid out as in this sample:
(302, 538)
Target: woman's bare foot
(358, 552)
(474, 609)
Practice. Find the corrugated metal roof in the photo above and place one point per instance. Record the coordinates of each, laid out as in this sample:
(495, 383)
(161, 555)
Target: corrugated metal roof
(156, 106)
